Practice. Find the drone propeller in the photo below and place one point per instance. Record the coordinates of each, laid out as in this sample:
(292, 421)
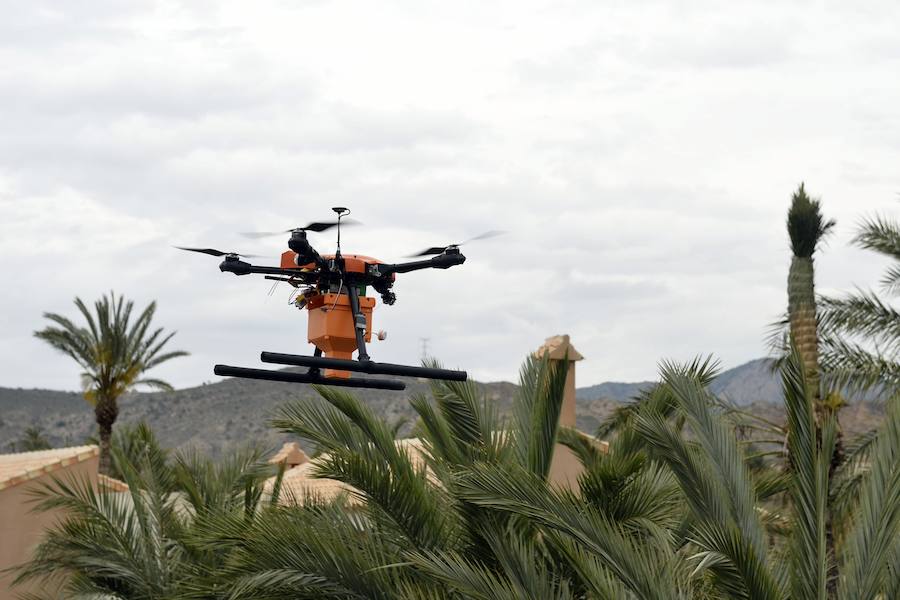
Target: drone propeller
(214, 252)
(316, 227)
(442, 249)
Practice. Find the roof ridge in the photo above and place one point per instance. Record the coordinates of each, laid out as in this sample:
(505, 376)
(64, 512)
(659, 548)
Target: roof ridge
(51, 450)
(54, 459)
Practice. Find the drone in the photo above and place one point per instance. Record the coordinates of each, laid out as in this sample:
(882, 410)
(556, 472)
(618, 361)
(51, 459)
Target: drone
(333, 289)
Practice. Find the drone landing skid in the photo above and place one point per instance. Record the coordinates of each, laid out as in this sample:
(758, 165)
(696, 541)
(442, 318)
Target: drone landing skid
(357, 382)
(317, 363)
(361, 366)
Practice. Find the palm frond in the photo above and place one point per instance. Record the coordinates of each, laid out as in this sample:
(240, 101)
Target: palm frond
(114, 543)
(113, 354)
(717, 487)
(588, 574)
(586, 448)
(880, 234)
(472, 420)
(639, 495)
(658, 398)
(848, 478)
(537, 407)
(363, 454)
(861, 314)
(892, 583)
(810, 461)
(444, 449)
(522, 573)
(721, 449)
(873, 538)
(326, 548)
(850, 367)
(890, 281)
(644, 570)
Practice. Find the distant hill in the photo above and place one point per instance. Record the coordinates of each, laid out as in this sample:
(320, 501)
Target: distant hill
(612, 390)
(750, 383)
(212, 418)
(217, 417)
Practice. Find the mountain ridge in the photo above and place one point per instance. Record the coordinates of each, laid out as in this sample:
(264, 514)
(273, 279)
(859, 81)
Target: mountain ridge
(217, 417)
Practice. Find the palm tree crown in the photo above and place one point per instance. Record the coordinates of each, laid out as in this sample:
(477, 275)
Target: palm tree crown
(806, 225)
(114, 353)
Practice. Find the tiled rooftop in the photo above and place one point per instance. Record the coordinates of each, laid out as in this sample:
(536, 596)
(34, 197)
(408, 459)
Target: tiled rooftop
(23, 466)
(299, 483)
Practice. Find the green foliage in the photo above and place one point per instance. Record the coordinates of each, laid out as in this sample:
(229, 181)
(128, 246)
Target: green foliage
(674, 509)
(871, 553)
(136, 444)
(32, 439)
(146, 543)
(536, 411)
(810, 461)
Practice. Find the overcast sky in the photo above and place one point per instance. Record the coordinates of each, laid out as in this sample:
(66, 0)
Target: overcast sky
(641, 156)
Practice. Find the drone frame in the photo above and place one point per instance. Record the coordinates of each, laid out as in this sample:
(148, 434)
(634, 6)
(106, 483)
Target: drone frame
(330, 269)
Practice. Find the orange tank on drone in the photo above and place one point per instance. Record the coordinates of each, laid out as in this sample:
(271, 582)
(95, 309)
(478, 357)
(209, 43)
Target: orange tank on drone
(331, 327)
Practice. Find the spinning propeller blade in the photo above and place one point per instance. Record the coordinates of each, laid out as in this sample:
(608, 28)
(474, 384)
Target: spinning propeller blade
(442, 249)
(316, 227)
(214, 252)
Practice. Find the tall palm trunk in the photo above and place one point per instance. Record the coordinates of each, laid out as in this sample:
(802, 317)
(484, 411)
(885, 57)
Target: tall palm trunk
(105, 413)
(802, 313)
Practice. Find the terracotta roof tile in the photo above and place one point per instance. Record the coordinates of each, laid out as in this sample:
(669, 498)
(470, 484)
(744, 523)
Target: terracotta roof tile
(23, 466)
(110, 484)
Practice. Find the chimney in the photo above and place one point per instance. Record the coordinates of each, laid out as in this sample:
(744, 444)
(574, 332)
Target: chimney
(291, 454)
(559, 348)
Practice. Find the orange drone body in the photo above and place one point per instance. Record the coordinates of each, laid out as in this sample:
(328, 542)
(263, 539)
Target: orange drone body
(353, 263)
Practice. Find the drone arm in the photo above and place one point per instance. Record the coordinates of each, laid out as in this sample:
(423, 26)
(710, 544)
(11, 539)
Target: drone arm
(239, 267)
(442, 261)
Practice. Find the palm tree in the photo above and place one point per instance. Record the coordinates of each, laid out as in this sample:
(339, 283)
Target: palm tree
(33, 440)
(114, 352)
(806, 228)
